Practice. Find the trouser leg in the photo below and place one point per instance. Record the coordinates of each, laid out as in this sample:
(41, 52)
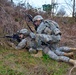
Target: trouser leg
(54, 56)
(63, 51)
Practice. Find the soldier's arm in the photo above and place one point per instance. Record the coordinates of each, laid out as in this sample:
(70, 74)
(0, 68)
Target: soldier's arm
(47, 38)
(21, 45)
(56, 33)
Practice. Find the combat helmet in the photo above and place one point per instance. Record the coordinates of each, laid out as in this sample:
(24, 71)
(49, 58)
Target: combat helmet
(37, 17)
(24, 31)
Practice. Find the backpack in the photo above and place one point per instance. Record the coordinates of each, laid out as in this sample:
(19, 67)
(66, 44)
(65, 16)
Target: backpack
(53, 26)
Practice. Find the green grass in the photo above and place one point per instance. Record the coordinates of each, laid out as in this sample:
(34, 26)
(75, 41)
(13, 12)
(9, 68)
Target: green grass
(20, 62)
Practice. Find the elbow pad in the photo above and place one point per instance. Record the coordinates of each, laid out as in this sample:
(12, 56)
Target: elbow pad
(57, 31)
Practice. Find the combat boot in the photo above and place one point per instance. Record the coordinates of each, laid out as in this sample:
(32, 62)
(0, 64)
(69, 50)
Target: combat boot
(38, 54)
(69, 54)
(73, 49)
(72, 62)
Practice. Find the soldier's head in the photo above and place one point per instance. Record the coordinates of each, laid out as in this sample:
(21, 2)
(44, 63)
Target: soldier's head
(37, 20)
(23, 33)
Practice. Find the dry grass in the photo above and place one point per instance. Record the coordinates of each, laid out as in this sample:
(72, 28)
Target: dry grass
(13, 62)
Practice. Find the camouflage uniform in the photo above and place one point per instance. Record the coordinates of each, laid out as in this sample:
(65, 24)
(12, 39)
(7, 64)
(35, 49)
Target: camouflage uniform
(27, 41)
(49, 32)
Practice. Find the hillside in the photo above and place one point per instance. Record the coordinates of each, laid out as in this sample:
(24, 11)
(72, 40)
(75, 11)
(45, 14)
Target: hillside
(68, 29)
(20, 62)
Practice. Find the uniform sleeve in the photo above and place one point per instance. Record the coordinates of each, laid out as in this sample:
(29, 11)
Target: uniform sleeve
(47, 38)
(32, 35)
(55, 38)
(22, 44)
(44, 37)
(41, 28)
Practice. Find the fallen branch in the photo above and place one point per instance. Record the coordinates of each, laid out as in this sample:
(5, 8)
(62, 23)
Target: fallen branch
(72, 70)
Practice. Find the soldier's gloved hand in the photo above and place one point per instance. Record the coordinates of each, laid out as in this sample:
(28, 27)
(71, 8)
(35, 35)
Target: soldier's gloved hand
(32, 35)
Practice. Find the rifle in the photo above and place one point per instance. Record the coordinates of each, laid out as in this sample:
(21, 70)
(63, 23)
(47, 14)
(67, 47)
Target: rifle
(13, 37)
(30, 19)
